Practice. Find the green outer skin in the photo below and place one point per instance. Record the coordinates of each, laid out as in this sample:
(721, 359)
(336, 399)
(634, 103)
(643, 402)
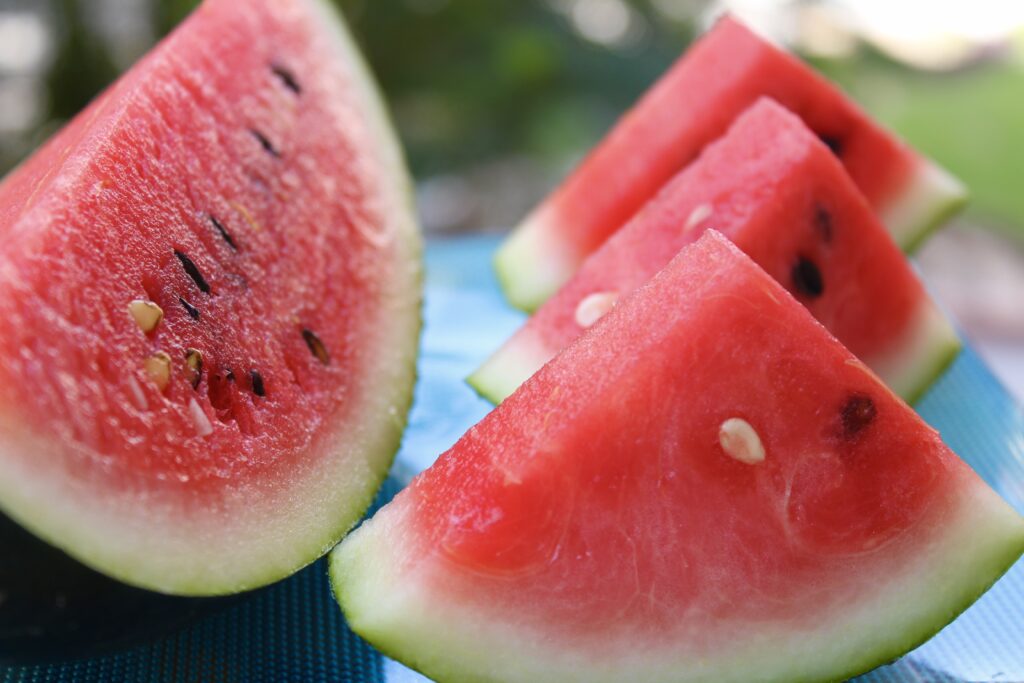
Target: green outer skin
(519, 253)
(144, 572)
(490, 390)
(944, 356)
(939, 196)
(942, 214)
(352, 566)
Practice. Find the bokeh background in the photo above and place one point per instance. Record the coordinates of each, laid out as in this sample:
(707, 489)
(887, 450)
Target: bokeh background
(496, 100)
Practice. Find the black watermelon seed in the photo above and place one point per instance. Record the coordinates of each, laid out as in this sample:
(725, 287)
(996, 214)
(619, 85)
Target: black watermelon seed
(286, 77)
(823, 223)
(193, 272)
(193, 312)
(807, 278)
(265, 143)
(224, 232)
(833, 143)
(257, 383)
(857, 413)
(316, 347)
(230, 375)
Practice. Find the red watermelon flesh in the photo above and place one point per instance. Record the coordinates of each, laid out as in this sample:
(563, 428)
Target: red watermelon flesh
(690, 106)
(706, 486)
(778, 193)
(210, 287)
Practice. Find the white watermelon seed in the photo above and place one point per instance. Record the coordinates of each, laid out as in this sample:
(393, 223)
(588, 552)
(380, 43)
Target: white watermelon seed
(202, 422)
(158, 368)
(700, 214)
(740, 441)
(147, 314)
(593, 307)
(137, 393)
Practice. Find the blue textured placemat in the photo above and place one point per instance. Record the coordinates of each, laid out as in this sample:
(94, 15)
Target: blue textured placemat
(293, 631)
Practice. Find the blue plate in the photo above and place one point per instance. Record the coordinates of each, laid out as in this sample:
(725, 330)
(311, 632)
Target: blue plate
(293, 631)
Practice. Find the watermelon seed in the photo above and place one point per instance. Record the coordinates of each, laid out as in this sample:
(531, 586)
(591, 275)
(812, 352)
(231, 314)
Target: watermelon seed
(147, 314)
(158, 368)
(593, 307)
(700, 214)
(739, 440)
(193, 312)
(257, 383)
(857, 413)
(223, 232)
(316, 347)
(286, 77)
(194, 362)
(230, 375)
(265, 143)
(833, 143)
(193, 272)
(823, 223)
(137, 393)
(807, 278)
(199, 418)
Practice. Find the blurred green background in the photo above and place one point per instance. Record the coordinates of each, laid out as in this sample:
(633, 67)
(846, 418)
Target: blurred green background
(495, 101)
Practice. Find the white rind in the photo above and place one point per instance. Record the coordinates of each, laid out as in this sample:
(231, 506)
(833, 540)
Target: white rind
(930, 197)
(251, 535)
(532, 264)
(383, 593)
(928, 347)
(511, 365)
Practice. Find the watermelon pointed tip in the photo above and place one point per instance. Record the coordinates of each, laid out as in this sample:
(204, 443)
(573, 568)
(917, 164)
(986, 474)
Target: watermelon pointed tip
(931, 197)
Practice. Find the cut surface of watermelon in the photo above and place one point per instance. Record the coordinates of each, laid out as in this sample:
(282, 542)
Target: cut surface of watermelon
(210, 282)
(691, 105)
(704, 487)
(780, 195)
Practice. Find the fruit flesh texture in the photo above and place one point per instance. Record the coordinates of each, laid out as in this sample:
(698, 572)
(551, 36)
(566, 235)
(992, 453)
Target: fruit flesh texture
(690, 106)
(592, 528)
(780, 195)
(252, 143)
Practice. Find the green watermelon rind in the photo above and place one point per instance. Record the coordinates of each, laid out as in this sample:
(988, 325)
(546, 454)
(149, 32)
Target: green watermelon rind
(979, 543)
(505, 371)
(81, 539)
(930, 198)
(922, 359)
(528, 266)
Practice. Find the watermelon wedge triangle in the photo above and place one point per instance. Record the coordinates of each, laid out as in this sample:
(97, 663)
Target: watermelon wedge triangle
(780, 195)
(706, 486)
(210, 283)
(692, 104)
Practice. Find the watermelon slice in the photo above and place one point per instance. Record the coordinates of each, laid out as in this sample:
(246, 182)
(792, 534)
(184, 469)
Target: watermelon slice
(691, 105)
(704, 487)
(210, 287)
(773, 188)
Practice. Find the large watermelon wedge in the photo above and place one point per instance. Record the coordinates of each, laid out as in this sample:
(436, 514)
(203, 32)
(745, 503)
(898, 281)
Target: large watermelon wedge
(704, 487)
(691, 105)
(210, 286)
(780, 195)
